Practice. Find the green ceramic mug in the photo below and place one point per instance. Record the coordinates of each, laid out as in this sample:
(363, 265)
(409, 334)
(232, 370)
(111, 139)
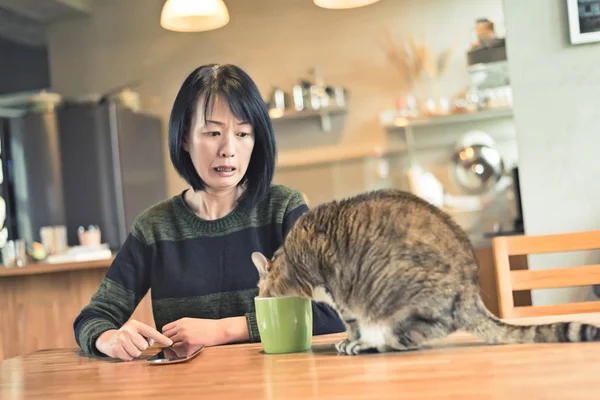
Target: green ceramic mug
(284, 323)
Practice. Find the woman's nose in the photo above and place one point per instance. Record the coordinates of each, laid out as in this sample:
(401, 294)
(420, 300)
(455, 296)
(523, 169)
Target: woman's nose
(227, 150)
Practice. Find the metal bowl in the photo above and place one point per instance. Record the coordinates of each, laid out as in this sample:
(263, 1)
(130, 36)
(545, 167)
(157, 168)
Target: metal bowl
(477, 168)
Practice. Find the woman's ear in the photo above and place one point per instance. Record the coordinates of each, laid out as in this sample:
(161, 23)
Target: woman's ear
(261, 263)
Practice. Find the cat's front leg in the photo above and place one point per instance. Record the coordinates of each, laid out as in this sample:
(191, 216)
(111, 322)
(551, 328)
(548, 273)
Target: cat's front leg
(352, 330)
(353, 334)
(324, 295)
(355, 347)
(368, 339)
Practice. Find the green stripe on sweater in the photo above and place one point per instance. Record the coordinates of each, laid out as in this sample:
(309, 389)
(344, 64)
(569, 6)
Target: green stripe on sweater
(111, 306)
(172, 220)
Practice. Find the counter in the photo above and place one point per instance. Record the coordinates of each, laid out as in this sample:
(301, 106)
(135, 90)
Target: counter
(47, 268)
(40, 301)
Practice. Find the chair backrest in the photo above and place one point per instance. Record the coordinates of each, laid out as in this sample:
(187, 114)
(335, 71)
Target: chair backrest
(508, 281)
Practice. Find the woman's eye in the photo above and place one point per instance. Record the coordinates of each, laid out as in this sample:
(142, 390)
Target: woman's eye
(243, 134)
(212, 133)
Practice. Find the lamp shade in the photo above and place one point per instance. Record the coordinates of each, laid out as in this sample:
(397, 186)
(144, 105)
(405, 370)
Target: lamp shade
(339, 4)
(194, 15)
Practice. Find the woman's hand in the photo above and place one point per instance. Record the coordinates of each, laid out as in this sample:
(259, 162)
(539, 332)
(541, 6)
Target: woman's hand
(128, 342)
(193, 332)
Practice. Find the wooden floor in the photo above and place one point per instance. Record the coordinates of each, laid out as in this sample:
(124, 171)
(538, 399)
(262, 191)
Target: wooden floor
(460, 367)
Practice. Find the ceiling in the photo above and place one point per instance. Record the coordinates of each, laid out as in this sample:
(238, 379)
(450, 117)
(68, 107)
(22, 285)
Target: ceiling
(24, 21)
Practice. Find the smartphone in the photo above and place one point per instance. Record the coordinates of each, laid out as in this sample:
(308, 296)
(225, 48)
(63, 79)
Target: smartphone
(169, 356)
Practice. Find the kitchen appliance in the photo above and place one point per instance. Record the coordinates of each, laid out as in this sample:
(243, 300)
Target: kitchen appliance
(112, 167)
(78, 162)
(477, 165)
(518, 225)
(8, 222)
(32, 183)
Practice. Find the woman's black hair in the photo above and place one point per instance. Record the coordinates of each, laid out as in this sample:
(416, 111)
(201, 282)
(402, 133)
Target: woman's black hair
(245, 102)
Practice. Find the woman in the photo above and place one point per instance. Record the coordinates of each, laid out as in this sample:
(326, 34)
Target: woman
(194, 250)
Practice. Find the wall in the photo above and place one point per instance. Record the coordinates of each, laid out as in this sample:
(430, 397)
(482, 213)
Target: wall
(22, 68)
(276, 42)
(556, 90)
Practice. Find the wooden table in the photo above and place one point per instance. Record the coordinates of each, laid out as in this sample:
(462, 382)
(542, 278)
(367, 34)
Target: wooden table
(459, 367)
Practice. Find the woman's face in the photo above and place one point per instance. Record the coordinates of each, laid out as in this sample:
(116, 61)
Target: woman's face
(219, 145)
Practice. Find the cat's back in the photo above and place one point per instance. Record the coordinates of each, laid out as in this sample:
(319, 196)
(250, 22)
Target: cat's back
(391, 201)
(393, 215)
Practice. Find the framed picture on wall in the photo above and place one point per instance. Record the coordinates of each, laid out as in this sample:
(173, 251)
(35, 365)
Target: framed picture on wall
(584, 21)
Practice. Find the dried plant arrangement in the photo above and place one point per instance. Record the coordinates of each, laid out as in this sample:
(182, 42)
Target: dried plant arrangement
(417, 65)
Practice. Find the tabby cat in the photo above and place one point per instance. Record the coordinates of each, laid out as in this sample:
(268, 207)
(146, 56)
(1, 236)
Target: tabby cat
(398, 270)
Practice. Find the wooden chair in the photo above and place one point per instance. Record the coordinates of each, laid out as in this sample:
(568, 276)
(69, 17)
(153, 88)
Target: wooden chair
(508, 281)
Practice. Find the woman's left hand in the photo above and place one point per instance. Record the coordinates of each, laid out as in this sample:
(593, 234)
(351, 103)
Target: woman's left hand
(192, 332)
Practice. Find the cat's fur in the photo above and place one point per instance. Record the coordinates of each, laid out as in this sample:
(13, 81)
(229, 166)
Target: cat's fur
(399, 271)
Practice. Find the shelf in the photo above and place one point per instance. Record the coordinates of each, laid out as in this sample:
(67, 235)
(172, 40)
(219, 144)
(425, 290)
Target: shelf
(323, 113)
(293, 114)
(314, 156)
(393, 119)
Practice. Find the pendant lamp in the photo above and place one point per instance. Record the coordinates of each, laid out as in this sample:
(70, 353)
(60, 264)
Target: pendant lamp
(194, 15)
(339, 4)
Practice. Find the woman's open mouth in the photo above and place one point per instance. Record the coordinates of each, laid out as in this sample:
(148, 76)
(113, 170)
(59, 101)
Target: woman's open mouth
(225, 170)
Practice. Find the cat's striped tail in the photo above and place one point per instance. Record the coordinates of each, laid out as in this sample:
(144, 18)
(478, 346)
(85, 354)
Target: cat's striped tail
(476, 319)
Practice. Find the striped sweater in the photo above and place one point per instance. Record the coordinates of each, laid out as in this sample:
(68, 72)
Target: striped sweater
(195, 268)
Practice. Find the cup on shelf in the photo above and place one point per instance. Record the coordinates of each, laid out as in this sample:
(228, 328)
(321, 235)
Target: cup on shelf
(90, 237)
(54, 239)
(14, 253)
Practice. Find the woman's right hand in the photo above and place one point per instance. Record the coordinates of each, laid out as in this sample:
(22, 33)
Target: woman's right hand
(128, 342)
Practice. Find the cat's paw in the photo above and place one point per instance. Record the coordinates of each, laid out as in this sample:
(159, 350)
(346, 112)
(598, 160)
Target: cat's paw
(353, 347)
(341, 345)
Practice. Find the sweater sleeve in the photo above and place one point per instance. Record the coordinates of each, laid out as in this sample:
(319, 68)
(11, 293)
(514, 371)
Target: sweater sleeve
(123, 287)
(325, 319)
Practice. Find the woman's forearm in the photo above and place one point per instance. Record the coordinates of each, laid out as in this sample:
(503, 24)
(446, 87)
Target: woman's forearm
(235, 329)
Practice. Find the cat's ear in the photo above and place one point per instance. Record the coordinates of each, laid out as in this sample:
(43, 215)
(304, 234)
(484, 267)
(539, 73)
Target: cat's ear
(261, 263)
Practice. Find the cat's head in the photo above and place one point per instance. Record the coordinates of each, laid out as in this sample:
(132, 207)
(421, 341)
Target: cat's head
(276, 278)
